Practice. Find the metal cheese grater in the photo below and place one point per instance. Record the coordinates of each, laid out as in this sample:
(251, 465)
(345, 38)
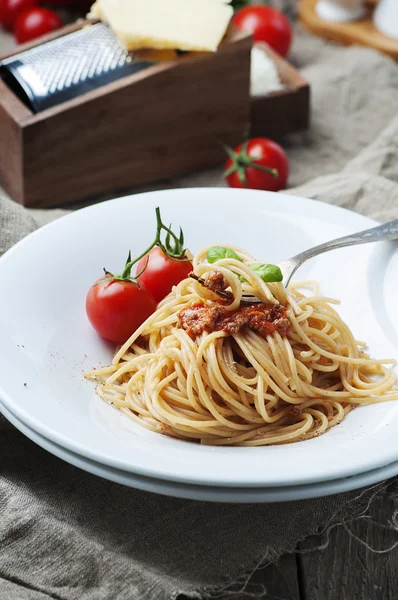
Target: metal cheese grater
(68, 66)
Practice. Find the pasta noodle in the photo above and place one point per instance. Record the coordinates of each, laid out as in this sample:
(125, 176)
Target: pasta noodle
(243, 387)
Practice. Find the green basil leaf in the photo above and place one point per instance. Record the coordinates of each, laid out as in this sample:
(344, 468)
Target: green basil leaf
(268, 273)
(219, 252)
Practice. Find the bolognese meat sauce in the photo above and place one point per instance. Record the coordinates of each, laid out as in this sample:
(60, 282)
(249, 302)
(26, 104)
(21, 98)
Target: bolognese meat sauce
(199, 317)
(215, 281)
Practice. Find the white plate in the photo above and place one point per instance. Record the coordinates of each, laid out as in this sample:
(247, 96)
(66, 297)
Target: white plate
(47, 343)
(207, 493)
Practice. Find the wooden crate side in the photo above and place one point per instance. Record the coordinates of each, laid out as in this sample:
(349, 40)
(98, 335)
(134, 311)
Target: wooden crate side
(167, 124)
(284, 111)
(281, 113)
(12, 112)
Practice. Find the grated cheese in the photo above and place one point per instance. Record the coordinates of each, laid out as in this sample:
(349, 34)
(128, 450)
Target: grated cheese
(264, 74)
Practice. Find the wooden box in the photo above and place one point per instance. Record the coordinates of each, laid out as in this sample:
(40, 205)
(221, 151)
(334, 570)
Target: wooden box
(284, 111)
(167, 120)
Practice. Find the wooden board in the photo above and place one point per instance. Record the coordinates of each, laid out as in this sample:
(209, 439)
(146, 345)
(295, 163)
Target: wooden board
(346, 569)
(278, 581)
(361, 32)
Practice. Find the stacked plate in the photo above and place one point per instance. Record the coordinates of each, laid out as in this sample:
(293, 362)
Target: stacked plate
(46, 343)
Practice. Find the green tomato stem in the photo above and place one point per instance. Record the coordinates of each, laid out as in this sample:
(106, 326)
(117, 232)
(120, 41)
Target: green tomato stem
(175, 251)
(127, 269)
(241, 161)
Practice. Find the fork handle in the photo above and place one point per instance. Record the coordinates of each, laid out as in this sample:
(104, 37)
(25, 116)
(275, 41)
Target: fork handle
(387, 231)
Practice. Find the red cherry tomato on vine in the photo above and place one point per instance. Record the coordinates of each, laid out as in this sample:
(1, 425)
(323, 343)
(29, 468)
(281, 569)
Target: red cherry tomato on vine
(117, 305)
(267, 24)
(116, 308)
(11, 9)
(34, 23)
(258, 164)
(162, 272)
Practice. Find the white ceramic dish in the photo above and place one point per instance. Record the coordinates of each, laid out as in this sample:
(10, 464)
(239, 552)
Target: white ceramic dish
(385, 18)
(340, 11)
(207, 493)
(47, 343)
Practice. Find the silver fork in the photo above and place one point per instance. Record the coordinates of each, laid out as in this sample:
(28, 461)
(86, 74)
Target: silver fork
(388, 231)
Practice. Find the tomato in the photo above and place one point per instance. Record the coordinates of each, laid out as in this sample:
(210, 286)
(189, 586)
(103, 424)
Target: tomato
(11, 9)
(117, 305)
(34, 23)
(258, 164)
(116, 308)
(267, 24)
(162, 272)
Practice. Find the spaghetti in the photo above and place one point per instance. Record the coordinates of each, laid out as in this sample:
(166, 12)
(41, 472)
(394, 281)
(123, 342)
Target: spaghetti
(231, 380)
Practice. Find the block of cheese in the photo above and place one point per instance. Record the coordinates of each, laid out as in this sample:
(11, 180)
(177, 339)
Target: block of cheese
(193, 25)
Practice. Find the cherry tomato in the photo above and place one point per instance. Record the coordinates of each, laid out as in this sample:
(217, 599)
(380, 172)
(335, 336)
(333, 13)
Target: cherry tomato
(34, 23)
(162, 272)
(267, 25)
(259, 164)
(11, 9)
(116, 308)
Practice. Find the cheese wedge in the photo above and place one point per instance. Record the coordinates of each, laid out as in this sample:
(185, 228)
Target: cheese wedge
(196, 25)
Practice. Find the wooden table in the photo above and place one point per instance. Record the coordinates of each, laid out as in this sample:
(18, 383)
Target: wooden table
(344, 569)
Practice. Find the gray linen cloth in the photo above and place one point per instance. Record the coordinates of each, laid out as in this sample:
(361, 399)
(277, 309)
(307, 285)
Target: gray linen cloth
(68, 535)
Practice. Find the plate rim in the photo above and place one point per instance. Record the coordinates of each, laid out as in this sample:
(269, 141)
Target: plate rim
(206, 493)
